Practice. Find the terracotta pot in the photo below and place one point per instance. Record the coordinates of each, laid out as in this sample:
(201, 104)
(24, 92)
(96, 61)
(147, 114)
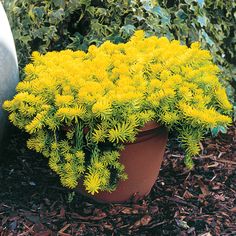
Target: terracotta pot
(142, 161)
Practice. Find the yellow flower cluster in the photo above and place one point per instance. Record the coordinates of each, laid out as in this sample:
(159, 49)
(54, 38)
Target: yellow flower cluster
(79, 107)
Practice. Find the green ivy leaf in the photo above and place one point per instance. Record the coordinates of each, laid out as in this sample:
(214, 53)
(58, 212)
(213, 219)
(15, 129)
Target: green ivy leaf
(59, 3)
(207, 38)
(201, 3)
(202, 20)
(181, 14)
(189, 1)
(219, 129)
(128, 29)
(38, 12)
(162, 13)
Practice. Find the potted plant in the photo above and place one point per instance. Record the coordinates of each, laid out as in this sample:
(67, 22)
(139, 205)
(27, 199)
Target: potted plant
(88, 112)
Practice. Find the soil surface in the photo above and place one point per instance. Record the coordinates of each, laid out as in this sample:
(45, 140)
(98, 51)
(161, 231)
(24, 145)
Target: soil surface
(199, 202)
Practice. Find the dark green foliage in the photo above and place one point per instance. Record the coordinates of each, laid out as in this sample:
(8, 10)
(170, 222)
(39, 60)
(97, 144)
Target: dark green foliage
(58, 24)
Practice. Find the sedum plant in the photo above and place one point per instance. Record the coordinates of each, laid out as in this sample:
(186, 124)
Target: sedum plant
(80, 108)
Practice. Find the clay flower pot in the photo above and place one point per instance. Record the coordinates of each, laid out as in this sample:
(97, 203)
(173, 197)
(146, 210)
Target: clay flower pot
(142, 160)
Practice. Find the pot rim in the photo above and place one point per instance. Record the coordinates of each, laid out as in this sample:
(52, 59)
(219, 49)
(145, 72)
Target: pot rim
(146, 132)
(149, 126)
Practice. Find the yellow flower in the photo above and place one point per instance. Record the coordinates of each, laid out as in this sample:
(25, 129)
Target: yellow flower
(69, 181)
(207, 117)
(99, 134)
(68, 157)
(37, 123)
(62, 101)
(70, 113)
(169, 118)
(29, 70)
(102, 108)
(53, 163)
(92, 183)
(222, 99)
(80, 155)
(35, 55)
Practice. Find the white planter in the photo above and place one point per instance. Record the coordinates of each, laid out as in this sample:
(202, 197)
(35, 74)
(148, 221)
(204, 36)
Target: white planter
(8, 67)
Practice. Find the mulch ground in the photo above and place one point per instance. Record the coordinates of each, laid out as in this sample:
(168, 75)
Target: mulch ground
(198, 202)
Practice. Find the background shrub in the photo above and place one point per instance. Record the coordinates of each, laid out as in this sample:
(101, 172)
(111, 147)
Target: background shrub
(76, 24)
